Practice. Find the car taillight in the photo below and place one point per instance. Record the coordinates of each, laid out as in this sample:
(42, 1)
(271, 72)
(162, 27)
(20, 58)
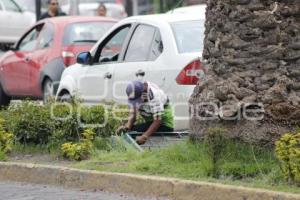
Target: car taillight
(69, 58)
(191, 74)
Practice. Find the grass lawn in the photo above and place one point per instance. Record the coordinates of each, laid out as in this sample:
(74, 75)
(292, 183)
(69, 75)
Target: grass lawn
(240, 164)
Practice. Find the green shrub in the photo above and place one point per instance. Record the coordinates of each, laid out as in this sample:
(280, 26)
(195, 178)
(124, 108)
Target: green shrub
(6, 138)
(288, 153)
(2, 156)
(67, 125)
(81, 150)
(54, 124)
(104, 119)
(29, 122)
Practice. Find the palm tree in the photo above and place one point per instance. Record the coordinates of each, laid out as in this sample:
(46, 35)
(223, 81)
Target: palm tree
(253, 59)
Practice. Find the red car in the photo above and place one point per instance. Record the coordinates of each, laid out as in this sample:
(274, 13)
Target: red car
(34, 66)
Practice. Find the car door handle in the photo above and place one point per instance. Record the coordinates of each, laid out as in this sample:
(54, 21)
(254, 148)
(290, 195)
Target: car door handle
(107, 75)
(26, 59)
(140, 73)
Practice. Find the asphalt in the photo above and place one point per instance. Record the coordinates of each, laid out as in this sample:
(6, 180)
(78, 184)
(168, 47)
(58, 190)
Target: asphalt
(24, 191)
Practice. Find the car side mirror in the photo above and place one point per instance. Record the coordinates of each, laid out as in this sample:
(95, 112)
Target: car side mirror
(84, 58)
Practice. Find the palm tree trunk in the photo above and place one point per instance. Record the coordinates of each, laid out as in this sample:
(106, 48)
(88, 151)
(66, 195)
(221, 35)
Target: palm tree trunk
(252, 49)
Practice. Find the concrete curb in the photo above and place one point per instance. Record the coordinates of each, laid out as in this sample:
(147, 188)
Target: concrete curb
(133, 184)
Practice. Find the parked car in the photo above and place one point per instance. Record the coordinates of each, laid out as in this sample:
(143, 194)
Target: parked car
(13, 21)
(115, 8)
(30, 5)
(164, 49)
(43, 52)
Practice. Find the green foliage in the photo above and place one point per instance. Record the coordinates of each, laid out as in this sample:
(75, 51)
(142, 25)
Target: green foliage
(240, 160)
(234, 159)
(288, 153)
(215, 142)
(72, 151)
(82, 149)
(103, 118)
(103, 144)
(237, 161)
(2, 156)
(29, 122)
(67, 122)
(6, 138)
(56, 123)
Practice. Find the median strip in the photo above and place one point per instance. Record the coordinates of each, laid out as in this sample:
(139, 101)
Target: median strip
(133, 184)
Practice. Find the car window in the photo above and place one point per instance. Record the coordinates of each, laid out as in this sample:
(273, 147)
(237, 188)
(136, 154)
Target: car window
(46, 36)
(157, 46)
(85, 32)
(140, 44)
(185, 32)
(10, 6)
(29, 42)
(110, 51)
(28, 5)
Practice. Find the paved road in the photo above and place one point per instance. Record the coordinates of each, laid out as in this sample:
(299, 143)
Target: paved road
(24, 191)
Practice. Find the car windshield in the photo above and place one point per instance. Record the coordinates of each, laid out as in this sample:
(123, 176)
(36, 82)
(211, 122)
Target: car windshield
(189, 35)
(85, 32)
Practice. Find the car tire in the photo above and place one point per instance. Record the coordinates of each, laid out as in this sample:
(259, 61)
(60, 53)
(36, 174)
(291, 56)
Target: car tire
(4, 99)
(48, 90)
(65, 97)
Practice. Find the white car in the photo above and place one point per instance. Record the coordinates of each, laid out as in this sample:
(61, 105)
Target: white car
(13, 21)
(164, 49)
(29, 5)
(194, 10)
(89, 8)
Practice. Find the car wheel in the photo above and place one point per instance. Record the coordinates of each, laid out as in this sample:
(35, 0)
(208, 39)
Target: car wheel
(4, 99)
(65, 97)
(48, 90)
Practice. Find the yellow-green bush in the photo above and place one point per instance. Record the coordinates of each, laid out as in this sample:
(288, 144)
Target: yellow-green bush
(6, 138)
(82, 149)
(288, 153)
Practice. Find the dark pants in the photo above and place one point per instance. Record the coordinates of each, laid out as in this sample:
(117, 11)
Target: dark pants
(144, 127)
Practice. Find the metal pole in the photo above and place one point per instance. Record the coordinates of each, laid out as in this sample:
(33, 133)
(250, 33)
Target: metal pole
(38, 6)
